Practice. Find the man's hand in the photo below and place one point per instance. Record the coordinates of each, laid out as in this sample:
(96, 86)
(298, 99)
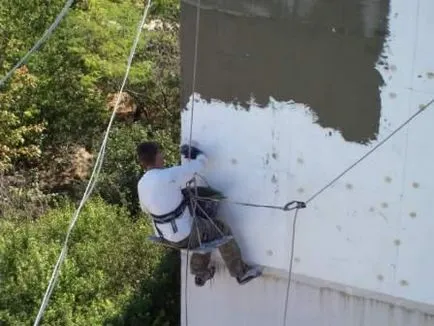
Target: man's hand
(185, 151)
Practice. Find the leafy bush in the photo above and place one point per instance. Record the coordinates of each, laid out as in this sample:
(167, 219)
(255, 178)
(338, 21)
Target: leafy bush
(22, 197)
(57, 104)
(20, 125)
(168, 9)
(112, 275)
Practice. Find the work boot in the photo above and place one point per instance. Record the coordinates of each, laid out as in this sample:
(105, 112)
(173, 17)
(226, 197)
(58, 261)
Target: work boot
(201, 278)
(250, 273)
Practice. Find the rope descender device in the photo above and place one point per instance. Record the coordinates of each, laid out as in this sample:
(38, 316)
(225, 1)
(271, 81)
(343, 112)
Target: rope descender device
(294, 205)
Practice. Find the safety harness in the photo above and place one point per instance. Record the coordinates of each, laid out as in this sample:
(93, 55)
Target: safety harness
(170, 217)
(208, 206)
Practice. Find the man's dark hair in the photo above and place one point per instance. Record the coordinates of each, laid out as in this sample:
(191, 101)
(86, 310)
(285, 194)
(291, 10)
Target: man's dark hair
(147, 152)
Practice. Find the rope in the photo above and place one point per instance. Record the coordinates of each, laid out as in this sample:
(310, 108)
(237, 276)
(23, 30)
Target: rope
(210, 220)
(287, 207)
(93, 178)
(291, 257)
(43, 38)
(193, 86)
(195, 205)
(186, 270)
(370, 151)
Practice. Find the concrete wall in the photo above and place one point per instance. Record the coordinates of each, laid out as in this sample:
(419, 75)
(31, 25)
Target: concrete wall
(289, 93)
(311, 302)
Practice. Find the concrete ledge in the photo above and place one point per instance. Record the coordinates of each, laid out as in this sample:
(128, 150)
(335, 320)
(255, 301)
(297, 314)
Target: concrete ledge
(324, 285)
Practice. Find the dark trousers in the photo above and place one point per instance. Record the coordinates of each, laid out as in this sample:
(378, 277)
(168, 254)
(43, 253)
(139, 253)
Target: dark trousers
(206, 231)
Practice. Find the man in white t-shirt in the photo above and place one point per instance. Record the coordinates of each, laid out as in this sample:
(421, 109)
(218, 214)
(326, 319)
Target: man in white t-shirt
(160, 192)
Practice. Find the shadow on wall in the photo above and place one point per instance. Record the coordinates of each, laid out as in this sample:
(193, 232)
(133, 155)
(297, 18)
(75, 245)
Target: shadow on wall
(318, 52)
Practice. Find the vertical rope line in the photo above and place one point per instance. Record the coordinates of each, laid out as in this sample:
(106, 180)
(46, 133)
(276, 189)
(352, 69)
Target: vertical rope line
(288, 287)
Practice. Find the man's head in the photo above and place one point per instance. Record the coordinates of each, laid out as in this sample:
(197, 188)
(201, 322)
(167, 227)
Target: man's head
(150, 155)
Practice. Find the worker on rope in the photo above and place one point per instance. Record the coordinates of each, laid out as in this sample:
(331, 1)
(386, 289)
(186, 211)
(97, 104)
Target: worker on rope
(162, 194)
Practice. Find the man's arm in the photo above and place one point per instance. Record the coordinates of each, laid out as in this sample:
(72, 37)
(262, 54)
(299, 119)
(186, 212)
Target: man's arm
(181, 174)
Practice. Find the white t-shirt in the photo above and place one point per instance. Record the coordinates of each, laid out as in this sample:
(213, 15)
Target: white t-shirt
(160, 193)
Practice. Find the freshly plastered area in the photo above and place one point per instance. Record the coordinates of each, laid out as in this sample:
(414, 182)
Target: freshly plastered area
(288, 95)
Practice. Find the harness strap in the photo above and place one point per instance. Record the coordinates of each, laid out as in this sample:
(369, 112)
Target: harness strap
(170, 217)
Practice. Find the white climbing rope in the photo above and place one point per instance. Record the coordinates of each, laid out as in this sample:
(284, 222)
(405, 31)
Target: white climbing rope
(328, 185)
(193, 84)
(94, 176)
(291, 259)
(381, 143)
(43, 38)
(193, 87)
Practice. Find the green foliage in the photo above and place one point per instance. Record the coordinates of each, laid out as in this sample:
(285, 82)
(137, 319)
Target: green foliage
(20, 126)
(158, 98)
(22, 23)
(111, 274)
(85, 60)
(102, 37)
(61, 100)
(117, 183)
(69, 111)
(22, 198)
(167, 9)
